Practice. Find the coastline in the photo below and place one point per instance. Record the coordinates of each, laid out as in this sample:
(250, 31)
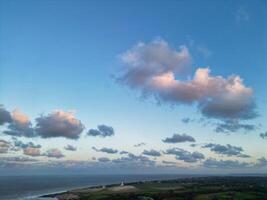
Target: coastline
(65, 194)
(141, 189)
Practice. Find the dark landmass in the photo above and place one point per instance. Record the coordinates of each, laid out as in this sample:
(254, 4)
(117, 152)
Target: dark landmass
(199, 188)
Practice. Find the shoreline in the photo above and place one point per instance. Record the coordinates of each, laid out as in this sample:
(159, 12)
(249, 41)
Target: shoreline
(111, 185)
(53, 195)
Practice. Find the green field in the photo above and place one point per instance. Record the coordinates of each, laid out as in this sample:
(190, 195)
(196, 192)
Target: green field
(205, 188)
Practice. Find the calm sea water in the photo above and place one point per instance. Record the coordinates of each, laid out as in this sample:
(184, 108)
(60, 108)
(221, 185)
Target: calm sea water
(30, 187)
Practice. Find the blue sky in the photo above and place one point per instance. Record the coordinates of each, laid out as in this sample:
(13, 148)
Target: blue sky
(67, 56)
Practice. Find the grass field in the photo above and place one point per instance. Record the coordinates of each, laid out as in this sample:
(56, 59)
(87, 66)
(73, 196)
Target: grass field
(205, 188)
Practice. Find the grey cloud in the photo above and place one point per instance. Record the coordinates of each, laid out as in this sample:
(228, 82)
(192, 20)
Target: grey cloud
(59, 124)
(102, 131)
(153, 68)
(53, 153)
(168, 162)
(261, 162)
(134, 161)
(152, 152)
(103, 159)
(227, 150)
(140, 144)
(124, 152)
(177, 138)
(9, 162)
(184, 155)
(5, 116)
(20, 144)
(106, 150)
(233, 126)
(186, 120)
(224, 164)
(263, 135)
(70, 148)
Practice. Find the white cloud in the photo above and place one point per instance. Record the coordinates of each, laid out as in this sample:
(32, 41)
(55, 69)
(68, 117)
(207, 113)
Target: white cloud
(155, 69)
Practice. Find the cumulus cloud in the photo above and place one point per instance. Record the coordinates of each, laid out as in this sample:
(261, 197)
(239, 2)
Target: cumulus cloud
(153, 68)
(145, 61)
(20, 125)
(178, 138)
(70, 148)
(102, 131)
(59, 124)
(106, 150)
(53, 153)
(224, 164)
(32, 151)
(263, 135)
(186, 156)
(5, 116)
(227, 150)
(152, 152)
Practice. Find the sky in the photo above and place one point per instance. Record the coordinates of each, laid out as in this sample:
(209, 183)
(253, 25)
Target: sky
(133, 86)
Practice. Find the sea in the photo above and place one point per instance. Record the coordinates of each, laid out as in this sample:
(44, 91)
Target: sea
(31, 187)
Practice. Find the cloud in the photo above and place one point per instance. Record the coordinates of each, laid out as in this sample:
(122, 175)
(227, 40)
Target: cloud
(4, 146)
(106, 150)
(53, 153)
(145, 61)
(32, 151)
(184, 155)
(224, 164)
(59, 124)
(186, 120)
(242, 15)
(262, 162)
(18, 161)
(152, 152)
(177, 138)
(103, 159)
(20, 125)
(263, 135)
(140, 144)
(233, 126)
(134, 161)
(168, 162)
(227, 150)
(5, 116)
(124, 152)
(154, 68)
(102, 131)
(204, 51)
(70, 148)
(20, 144)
